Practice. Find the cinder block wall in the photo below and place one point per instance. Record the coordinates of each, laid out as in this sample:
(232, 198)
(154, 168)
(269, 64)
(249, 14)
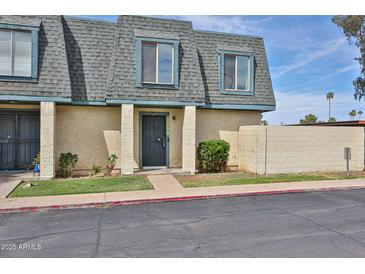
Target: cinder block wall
(247, 147)
(277, 149)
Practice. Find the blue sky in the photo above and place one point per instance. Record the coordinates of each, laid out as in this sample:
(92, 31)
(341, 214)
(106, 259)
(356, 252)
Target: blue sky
(308, 56)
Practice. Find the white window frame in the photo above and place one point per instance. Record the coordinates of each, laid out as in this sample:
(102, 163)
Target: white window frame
(172, 64)
(236, 74)
(12, 56)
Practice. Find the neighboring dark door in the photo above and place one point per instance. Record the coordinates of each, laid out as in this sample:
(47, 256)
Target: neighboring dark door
(19, 139)
(154, 140)
(7, 141)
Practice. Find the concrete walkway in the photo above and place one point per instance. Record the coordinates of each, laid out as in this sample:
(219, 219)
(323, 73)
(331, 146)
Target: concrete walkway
(9, 180)
(168, 188)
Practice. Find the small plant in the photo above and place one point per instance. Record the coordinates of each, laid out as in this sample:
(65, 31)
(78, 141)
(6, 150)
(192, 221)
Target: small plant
(67, 162)
(213, 156)
(96, 169)
(37, 159)
(112, 159)
(36, 163)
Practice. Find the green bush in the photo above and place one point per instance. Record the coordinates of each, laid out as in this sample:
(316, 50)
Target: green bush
(96, 169)
(213, 156)
(67, 162)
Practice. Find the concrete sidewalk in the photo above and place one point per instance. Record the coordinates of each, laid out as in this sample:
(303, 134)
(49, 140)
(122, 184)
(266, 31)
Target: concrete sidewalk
(167, 188)
(9, 180)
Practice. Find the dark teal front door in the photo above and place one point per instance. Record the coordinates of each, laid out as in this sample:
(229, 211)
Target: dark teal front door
(154, 140)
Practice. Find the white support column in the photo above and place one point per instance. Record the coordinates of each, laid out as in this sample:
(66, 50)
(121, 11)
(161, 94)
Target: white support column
(189, 139)
(47, 139)
(126, 136)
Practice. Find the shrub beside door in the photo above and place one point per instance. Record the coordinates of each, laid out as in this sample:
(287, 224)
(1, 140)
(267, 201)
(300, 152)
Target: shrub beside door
(213, 156)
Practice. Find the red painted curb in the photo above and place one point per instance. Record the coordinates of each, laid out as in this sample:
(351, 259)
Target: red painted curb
(172, 199)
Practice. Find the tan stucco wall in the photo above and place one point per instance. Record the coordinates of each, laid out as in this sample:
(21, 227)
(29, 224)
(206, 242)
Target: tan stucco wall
(47, 139)
(126, 138)
(91, 132)
(94, 132)
(210, 124)
(189, 140)
(224, 124)
(276, 149)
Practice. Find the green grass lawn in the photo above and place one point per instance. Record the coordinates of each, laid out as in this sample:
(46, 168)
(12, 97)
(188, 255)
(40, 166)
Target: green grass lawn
(82, 185)
(201, 180)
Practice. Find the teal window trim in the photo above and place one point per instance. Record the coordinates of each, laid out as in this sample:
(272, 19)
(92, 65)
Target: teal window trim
(34, 73)
(139, 82)
(221, 56)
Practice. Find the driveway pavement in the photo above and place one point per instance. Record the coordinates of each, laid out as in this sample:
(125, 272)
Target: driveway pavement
(316, 224)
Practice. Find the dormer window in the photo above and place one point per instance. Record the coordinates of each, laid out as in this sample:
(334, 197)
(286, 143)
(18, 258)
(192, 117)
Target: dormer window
(15, 53)
(18, 52)
(236, 73)
(157, 63)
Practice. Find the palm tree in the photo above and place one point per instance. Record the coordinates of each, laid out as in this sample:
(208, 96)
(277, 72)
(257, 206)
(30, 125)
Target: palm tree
(352, 114)
(330, 96)
(359, 113)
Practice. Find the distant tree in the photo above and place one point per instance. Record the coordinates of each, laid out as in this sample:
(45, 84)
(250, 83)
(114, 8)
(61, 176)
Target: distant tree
(264, 122)
(359, 113)
(352, 114)
(330, 96)
(332, 119)
(353, 26)
(309, 119)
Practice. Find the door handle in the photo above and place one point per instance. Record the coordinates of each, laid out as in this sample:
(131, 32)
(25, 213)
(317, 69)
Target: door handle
(159, 139)
(163, 142)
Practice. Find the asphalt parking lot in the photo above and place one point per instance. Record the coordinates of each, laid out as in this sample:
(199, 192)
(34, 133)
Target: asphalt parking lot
(317, 224)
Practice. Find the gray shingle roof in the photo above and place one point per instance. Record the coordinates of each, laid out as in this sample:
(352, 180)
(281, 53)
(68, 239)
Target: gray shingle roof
(89, 60)
(53, 73)
(209, 44)
(89, 47)
(122, 83)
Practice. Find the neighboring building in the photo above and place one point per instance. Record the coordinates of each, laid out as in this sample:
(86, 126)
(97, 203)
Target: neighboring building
(146, 89)
(351, 123)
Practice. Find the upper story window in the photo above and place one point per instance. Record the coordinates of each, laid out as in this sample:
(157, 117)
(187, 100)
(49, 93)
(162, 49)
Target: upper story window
(157, 63)
(15, 53)
(18, 53)
(236, 73)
